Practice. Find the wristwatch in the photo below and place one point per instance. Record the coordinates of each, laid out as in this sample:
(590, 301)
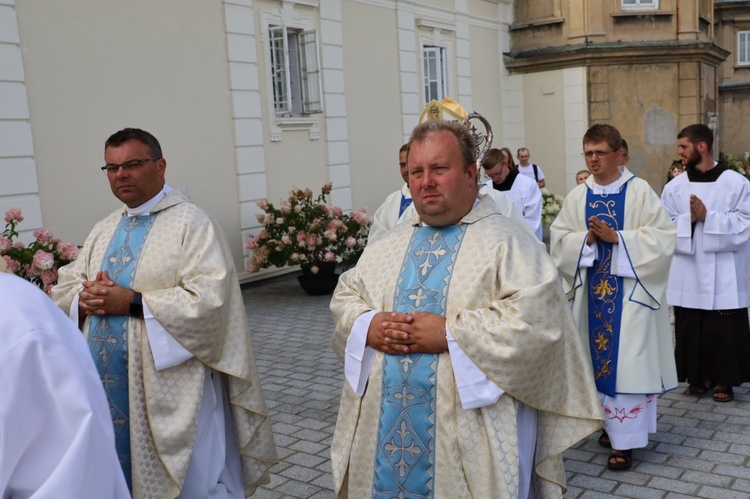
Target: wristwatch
(136, 306)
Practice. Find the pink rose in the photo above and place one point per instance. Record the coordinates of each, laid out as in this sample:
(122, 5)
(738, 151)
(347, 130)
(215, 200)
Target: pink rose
(13, 265)
(350, 242)
(49, 276)
(68, 252)
(42, 261)
(329, 256)
(252, 243)
(5, 245)
(336, 211)
(13, 215)
(43, 236)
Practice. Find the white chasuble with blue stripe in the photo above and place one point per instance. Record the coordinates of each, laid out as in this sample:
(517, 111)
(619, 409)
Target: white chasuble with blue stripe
(108, 334)
(405, 456)
(605, 292)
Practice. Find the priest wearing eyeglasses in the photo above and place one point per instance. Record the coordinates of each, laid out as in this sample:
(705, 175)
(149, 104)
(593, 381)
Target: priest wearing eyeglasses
(612, 243)
(156, 294)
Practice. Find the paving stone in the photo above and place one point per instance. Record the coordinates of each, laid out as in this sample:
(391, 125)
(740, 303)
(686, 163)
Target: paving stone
(701, 449)
(673, 485)
(629, 490)
(720, 493)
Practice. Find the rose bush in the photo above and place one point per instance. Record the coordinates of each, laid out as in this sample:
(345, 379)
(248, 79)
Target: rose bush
(306, 231)
(38, 262)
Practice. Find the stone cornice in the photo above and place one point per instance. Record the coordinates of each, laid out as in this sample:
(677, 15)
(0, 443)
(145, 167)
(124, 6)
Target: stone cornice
(597, 54)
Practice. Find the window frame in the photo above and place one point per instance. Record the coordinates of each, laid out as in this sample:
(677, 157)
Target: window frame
(640, 5)
(441, 74)
(294, 60)
(743, 59)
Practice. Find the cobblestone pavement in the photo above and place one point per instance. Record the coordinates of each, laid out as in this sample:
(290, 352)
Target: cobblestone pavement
(701, 449)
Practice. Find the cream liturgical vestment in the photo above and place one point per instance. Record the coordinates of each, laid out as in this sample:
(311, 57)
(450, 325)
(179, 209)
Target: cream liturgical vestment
(189, 285)
(506, 312)
(645, 361)
(389, 213)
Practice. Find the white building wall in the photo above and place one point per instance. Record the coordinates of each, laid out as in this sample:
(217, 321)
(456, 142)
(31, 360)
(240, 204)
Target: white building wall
(18, 180)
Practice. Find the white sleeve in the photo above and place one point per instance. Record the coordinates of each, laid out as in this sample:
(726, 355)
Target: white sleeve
(60, 441)
(474, 388)
(166, 350)
(588, 255)
(621, 266)
(359, 356)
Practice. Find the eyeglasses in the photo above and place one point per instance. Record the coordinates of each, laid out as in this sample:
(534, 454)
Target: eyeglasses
(598, 154)
(127, 166)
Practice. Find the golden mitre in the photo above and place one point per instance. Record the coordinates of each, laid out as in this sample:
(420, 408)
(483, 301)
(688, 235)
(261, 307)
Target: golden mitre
(446, 109)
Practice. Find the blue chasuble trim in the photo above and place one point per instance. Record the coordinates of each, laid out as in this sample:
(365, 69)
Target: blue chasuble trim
(405, 203)
(605, 293)
(405, 455)
(108, 337)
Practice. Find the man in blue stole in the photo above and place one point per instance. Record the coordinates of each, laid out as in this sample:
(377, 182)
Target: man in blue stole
(456, 385)
(612, 243)
(155, 291)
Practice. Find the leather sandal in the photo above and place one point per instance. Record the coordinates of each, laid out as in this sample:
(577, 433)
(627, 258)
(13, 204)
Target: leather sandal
(620, 460)
(727, 392)
(604, 440)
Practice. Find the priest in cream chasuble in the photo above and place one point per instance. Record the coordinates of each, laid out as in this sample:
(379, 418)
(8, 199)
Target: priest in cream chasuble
(463, 366)
(155, 291)
(612, 243)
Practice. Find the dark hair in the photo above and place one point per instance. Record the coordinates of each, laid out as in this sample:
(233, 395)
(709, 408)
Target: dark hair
(698, 133)
(119, 138)
(403, 148)
(604, 133)
(493, 158)
(461, 132)
(625, 150)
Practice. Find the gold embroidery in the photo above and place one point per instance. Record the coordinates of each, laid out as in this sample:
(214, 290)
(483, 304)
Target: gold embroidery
(604, 288)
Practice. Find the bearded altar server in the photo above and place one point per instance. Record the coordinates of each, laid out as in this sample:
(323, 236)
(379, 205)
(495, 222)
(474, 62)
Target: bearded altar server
(708, 279)
(55, 429)
(156, 293)
(463, 367)
(612, 243)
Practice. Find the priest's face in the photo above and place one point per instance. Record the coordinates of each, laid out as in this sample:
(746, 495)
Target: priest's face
(602, 161)
(688, 153)
(443, 187)
(139, 183)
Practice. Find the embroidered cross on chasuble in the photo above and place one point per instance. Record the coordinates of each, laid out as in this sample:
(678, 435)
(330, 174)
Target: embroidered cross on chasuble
(405, 457)
(108, 337)
(605, 292)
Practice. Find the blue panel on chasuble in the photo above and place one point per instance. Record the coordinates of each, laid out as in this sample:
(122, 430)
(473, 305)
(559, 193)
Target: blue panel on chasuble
(108, 334)
(605, 293)
(405, 457)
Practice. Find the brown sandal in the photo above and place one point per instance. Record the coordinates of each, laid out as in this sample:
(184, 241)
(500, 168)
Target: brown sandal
(620, 460)
(604, 440)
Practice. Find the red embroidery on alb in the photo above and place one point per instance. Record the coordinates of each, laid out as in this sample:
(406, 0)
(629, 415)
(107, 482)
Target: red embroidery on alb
(620, 413)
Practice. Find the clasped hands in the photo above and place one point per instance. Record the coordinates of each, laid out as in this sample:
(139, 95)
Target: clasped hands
(697, 209)
(399, 333)
(103, 296)
(599, 229)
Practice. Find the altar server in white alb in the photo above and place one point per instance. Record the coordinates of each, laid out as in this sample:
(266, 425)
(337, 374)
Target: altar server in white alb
(156, 293)
(612, 243)
(56, 437)
(710, 205)
(463, 366)
(389, 213)
(524, 192)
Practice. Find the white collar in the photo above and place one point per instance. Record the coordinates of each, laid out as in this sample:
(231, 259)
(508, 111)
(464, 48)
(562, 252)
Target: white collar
(146, 207)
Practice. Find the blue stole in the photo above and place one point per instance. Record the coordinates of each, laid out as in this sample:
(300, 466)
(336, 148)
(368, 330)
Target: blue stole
(108, 334)
(405, 203)
(405, 451)
(605, 292)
